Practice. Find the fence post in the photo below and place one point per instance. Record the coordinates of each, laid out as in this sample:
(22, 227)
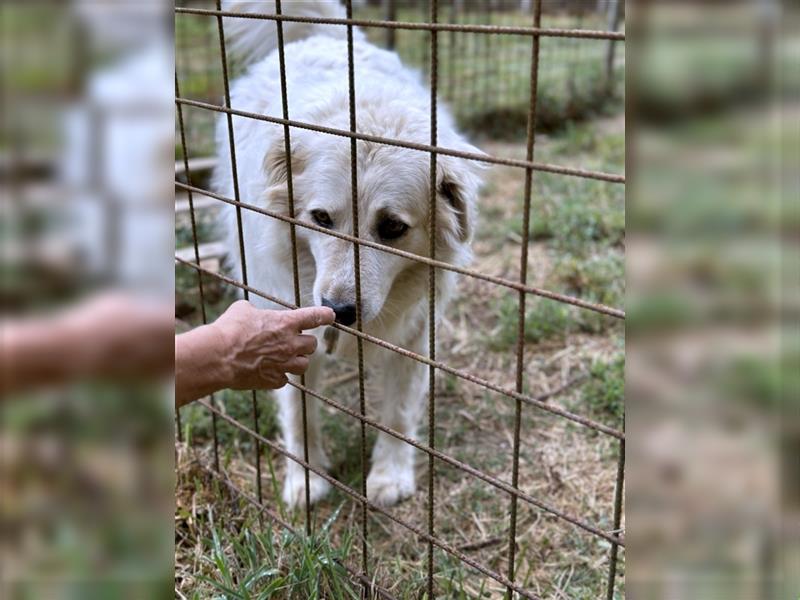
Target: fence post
(389, 14)
(614, 18)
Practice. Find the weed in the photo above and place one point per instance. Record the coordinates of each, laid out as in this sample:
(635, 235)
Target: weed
(544, 320)
(249, 563)
(196, 420)
(598, 277)
(604, 393)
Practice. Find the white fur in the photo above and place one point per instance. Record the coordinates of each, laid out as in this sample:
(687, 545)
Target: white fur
(391, 102)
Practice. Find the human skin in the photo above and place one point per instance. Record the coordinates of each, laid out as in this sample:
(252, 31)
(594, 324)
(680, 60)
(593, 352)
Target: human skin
(107, 336)
(116, 337)
(245, 348)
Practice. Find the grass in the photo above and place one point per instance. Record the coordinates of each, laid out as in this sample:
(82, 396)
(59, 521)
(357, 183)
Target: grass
(604, 394)
(253, 565)
(598, 278)
(545, 320)
(577, 228)
(239, 558)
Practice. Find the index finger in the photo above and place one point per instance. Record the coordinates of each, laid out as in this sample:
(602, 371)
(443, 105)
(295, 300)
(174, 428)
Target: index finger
(312, 317)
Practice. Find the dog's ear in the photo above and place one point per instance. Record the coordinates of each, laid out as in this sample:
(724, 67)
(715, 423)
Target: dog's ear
(458, 188)
(458, 204)
(276, 167)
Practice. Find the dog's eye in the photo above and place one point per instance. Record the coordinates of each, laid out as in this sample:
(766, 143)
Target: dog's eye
(322, 218)
(391, 229)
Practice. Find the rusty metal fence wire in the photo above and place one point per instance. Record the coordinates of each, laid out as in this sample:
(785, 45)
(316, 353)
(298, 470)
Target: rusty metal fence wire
(434, 28)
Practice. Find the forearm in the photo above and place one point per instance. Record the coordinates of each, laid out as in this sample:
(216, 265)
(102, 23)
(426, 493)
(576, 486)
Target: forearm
(39, 352)
(105, 336)
(200, 364)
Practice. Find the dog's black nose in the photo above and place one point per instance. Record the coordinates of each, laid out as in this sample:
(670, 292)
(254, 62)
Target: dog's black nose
(345, 313)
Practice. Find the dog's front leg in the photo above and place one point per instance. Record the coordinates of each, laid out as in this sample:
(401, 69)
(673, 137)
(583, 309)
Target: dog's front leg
(402, 387)
(291, 419)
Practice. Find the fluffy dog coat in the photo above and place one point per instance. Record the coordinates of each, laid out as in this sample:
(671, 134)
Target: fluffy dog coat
(393, 196)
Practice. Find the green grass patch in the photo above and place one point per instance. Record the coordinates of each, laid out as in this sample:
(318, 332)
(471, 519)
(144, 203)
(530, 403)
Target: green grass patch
(248, 563)
(198, 427)
(660, 312)
(573, 215)
(544, 320)
(604, 393)
(597, 278)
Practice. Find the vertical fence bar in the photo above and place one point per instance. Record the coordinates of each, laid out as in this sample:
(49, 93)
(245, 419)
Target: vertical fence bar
(523, 277)
(188, 175)
(451, 54)
(618, 495)
(471, 59)
(390, 14)
(614, 18)
(242, 258)
(425, 49)
(434, 14)
(178, 424)
(489, 68)
(357, 265)
(287, 146)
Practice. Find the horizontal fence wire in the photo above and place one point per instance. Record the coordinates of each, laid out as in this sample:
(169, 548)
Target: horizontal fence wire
(480, 157)
(439, 543)
(514, 285)
(459, 27)
(585, 421)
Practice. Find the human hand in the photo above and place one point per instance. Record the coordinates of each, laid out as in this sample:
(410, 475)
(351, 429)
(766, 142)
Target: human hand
(261, 346)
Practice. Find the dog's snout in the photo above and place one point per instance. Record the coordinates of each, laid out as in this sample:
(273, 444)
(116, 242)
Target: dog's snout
(345, 313)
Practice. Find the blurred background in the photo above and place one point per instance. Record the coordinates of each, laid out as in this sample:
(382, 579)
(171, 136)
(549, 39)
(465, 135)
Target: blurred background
(712, 358)
(712, 104)
(86, 476)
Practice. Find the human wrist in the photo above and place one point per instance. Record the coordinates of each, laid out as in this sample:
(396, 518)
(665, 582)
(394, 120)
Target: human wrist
(217, 348)
(200, 367)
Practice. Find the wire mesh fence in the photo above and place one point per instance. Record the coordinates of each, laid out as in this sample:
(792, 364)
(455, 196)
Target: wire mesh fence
(483, 78)
(459, 49)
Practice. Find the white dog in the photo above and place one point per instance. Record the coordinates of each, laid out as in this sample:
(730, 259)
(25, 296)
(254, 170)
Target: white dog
(393, 198)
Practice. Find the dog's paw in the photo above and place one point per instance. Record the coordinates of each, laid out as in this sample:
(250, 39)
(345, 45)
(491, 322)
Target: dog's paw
(388, 487)
(294, 488)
